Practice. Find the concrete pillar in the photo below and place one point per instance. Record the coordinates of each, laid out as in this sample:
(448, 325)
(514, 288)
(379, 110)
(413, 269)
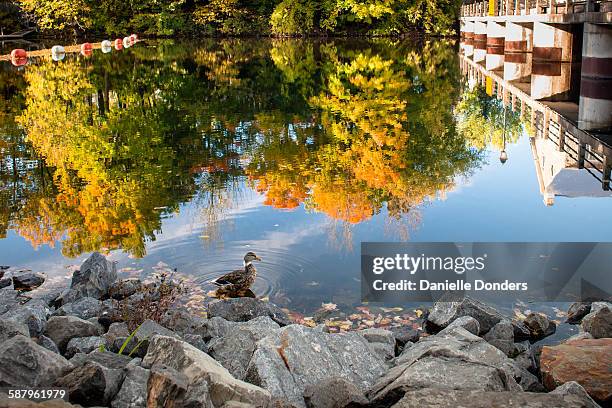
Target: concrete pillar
(552, 42)
(480, 41)
(595, 104)
(496, 34)
(518, 45)
(552, 56)
(468, 44)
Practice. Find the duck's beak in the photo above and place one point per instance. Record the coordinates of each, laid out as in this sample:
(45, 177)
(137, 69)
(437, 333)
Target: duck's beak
(257, 258)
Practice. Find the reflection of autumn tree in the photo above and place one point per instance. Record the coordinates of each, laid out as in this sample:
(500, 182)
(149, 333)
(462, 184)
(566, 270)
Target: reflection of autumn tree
(484, 120)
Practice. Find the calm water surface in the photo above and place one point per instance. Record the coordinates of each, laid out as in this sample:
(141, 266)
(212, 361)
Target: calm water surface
(188, 155)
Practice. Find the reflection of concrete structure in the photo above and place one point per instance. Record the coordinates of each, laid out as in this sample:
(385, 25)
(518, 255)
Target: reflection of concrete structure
(480, 41)
(496, 34)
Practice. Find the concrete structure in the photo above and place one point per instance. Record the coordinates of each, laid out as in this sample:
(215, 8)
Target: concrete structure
(496, 36)
(480, 41)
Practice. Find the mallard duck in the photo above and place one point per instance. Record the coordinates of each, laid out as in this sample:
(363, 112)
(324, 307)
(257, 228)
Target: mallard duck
(240, 280)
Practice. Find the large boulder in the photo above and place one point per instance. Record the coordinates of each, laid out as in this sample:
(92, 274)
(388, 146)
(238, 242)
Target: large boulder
(183, 321)
(94, 278)
(202, 370)
(295, 356)
(61, 329)
(168, 387)
(91, 384)
(539, 325)
(25, 363)
(502, 337)
(84, 308)
(437, 398)
(467, 322)
(9, 329)
(133, 392)
(33, 314)
(238, 343)
(456, 359)
(104, 358)
(382, 342)
(599, 322)
(28, 280)
(446, 310)
(586, 361)
(577, 311)
(334, 392)
(245, 309)
(116, 335)
(575, 389)
(139, 342)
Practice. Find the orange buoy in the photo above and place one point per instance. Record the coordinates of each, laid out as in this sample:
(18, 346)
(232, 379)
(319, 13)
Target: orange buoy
(86, 49)
(118, 44)
(19, 57)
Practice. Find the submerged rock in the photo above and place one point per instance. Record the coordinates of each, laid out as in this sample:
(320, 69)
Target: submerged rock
(585, 361)
(245, 309)
(447, 309)
(28, 280)
(294, 357)
(25, 363)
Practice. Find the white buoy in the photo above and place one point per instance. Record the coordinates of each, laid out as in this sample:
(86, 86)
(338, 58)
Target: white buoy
(106, 46)
(58, 53)
(127, 41)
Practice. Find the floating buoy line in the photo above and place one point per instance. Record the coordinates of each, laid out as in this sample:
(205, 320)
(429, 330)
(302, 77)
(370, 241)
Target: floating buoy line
(20, 57)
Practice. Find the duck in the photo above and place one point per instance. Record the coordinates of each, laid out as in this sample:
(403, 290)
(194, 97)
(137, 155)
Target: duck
(240, 280)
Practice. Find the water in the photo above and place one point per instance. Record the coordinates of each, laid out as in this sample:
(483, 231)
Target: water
(188, 155)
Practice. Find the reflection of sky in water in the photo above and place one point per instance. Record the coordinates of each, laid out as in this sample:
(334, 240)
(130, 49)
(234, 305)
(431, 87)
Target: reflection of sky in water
(308, 259)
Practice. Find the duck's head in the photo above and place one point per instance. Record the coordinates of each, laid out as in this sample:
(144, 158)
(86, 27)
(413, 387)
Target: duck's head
(250, 257)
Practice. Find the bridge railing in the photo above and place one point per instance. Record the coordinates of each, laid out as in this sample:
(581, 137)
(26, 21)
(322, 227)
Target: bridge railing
(528, 7)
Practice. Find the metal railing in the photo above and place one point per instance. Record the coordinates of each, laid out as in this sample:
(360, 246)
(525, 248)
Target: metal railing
(529, 7)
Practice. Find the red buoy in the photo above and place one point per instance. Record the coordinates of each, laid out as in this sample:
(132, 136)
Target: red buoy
(118, 44)
(86, 49)
(19, 57)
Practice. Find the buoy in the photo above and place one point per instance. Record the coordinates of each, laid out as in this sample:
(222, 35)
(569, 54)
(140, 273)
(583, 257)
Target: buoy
(118, 44)
(19, 57)
(106, 46)
(86, 49)
(58, 53)
(133, 38)
(126, 42)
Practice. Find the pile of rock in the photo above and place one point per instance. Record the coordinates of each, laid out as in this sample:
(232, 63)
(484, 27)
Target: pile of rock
(247, 353)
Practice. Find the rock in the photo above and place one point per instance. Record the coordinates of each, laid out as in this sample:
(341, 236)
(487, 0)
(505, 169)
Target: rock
(245, 309)
(115, 336)
(579, 336)
(168, 387)
(61, 329)
(104, 358)
(33, 314)
(235, 348)
(124, 288)
(444, 312)
(456, 359)
(95, 277)
(467, 322)
(334, 392)
(84, 308)
(539, 325)
(84, 345)
(521, 332)
(577, 311)
(5, 282)
(181, 320)
(585, 361)
(47, 343)
(133, 392)
(573, 388)
(28, 281)
(382, 342)
(91, 384)
(525, 358)
(200, 370)
(8, 300)
(143, 334)
(198, 342)
(599, 322)
(437, 398)
(294, 357)
(25, 363)
(9, 329)
(502, 337)
(405, 334)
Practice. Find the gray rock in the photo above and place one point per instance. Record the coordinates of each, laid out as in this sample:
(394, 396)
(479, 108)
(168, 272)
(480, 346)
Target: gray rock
(25, 363)
(572, 388)
(200, 370)
(95, 277)
(382, 342)
(577, 311)
(539, 325)
(33, 314)
(525, 358)
(133, 392)
(115, 336)
(142, 336)
(521, 332)
(456, 359)
(9, 328)
(28, 280)
(167, 387)
(104, 358)
(467, 322)
(333, 392)
(47, 343)
(235, 348)
(5, 282)
(83, 345)
(599, 322)
(8, 299)
(437, 398)
(447, 309)
(197, 341)
(84, 308)
(405, 334)
(502, 337)
(579, 336)
(124, 288)
(294, 357)
(63, 328)
(245, 309)
(181, 320)
(91, 384)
